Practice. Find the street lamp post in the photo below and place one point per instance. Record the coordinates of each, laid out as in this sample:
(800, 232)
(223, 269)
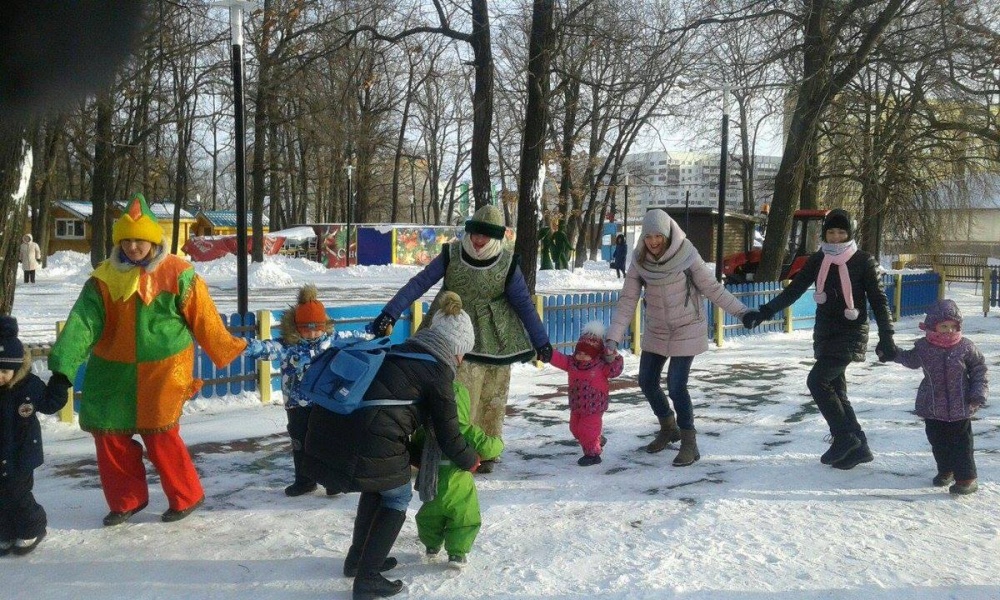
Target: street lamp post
(236, 34)
(625, 216)
(723, 176)
(350, 207)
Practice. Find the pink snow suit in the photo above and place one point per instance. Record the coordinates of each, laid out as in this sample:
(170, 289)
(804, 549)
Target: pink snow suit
(588, 396)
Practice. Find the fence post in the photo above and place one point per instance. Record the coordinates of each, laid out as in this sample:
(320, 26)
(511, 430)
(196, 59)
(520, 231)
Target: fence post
(789, 317)
(417, 310)
(719, 325)
(942, 286)
(66, 412)
(636, 324)
(540, 309)
(987, 286)
(264, 365)
(897, 297)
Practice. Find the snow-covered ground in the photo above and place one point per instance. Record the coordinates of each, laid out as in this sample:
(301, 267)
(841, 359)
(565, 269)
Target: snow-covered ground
(757, 517)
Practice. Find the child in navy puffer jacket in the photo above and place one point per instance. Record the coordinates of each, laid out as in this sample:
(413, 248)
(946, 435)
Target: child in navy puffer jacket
(590, 368)
(22, 397)
(953, 389)
(305, 332)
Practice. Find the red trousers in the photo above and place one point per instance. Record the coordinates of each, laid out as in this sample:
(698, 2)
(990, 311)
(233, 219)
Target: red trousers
(587, 430)
(123, 474)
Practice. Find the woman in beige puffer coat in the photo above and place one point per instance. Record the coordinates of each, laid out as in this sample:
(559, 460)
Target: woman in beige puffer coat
(676, 280)
(30, 256)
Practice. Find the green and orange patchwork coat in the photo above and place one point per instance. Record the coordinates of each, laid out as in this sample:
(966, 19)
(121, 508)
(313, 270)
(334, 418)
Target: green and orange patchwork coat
(135, 328)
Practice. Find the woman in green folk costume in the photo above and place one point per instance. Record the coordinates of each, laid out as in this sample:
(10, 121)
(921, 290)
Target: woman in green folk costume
(485, 274)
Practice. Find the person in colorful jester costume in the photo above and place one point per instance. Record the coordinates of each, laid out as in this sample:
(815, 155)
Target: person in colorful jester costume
(453, 518)
(134, 324)
(485, 274)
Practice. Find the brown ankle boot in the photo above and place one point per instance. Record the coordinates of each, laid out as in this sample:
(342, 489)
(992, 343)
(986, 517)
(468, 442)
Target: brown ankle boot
(689, 449)
(669, 432)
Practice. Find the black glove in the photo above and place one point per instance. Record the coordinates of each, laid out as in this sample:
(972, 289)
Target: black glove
(756, 317)
(58, 386)
(382, 325)
(752, 319)
(886, 349)
(544, 352)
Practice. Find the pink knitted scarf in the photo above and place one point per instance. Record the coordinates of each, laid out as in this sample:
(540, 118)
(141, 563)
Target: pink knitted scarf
(837, 254)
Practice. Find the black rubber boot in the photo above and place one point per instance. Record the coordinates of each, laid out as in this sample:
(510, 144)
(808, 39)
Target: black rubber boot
(369, 583)
(367, 507)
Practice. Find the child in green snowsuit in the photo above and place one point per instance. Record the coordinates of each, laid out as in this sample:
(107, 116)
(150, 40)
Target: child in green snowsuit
(452, 517)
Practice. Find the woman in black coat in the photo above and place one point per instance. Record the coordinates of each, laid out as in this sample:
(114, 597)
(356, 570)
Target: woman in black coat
(840, 334)
(367, 450)
(618, 257)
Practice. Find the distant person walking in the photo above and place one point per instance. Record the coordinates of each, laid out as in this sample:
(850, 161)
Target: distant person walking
(619, 255)
(30, 257)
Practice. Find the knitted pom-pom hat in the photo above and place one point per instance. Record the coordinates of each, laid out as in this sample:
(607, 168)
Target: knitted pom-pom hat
(591, 341)
(310, 314)
(454, 324)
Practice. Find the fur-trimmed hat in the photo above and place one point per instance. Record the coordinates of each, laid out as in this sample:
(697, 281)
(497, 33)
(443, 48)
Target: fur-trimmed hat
(591, 341)
(838, 218)
(941, 311)
(137, 223)
(11, 348)
(454, 324)
(310, 314)
(488, 221)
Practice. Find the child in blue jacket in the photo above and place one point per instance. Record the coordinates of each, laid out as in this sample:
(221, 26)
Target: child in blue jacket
(22, 396)
(305, 332)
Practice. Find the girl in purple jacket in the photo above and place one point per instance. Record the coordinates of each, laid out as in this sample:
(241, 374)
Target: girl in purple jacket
(953, 389)
(590, 368)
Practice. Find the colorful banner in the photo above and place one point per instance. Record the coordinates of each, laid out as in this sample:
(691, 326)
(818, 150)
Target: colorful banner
(419, 245)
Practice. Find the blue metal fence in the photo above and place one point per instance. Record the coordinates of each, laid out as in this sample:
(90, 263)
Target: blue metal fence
(565, 316)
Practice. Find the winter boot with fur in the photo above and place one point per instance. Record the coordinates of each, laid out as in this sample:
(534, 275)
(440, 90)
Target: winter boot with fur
(689, 449)
(369, 583)
(669, 432)
(367, 507)
(960, 488)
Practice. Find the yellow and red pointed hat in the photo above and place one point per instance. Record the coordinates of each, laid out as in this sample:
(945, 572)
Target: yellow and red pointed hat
(138, 223)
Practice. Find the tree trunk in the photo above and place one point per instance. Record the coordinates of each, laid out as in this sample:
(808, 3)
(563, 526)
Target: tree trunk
(13, 149)
(533, 144)
(482, 103)
(103, 181)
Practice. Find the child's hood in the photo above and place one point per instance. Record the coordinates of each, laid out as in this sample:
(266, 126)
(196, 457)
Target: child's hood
(941, 311)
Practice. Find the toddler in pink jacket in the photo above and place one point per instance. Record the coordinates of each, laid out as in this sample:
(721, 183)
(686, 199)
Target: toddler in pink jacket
(589, 370)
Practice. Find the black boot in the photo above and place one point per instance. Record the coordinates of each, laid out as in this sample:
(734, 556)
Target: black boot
(859, 454)
(843, 444)
(367, 507)
(369, 583)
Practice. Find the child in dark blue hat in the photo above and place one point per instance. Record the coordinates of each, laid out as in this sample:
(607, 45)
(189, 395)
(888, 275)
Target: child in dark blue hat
(22, 396)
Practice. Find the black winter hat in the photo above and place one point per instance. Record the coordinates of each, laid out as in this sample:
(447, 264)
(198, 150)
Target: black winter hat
(11, 348)
(838, 218)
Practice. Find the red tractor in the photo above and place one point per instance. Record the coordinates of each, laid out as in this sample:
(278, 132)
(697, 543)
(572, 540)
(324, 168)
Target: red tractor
(807, 233)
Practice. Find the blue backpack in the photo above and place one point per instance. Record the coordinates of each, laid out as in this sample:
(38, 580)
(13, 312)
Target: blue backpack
(338, 377)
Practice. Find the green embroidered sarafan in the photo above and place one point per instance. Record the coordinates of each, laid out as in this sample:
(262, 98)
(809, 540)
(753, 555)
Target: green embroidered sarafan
(500, 336)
